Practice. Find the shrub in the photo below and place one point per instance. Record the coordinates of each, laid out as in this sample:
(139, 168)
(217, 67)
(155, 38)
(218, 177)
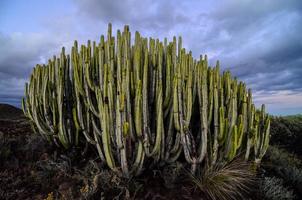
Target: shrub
(286, 166)
(287, 133)
(272, 189)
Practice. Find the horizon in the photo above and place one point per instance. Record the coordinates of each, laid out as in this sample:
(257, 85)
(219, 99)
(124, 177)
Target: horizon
(257, 41)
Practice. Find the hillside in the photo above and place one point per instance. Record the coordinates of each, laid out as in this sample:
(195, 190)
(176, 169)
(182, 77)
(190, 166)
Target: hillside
(282, 165)
(9, 112)
(286, 132)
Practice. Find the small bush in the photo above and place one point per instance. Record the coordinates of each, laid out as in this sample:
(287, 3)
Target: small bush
(272, 188)
(280, 157)
(287, 132)
(286, 166)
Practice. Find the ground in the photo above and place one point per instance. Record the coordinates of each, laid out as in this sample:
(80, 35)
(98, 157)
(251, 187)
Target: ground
(31, 168)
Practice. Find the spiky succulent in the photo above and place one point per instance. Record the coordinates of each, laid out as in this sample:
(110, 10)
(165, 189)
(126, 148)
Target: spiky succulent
(150, 100)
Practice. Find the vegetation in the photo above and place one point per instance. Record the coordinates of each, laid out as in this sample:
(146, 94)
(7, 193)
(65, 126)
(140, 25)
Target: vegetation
(273, 189)
(27, 163)
(228, 181)
(147, 102)
(287, 133)
(281, 168)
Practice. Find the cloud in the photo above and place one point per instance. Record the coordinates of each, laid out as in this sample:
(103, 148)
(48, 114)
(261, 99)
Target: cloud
(151, 15)
(11, 89)
(263, 48)
(20, 52)
(280, 102)
(258, 41)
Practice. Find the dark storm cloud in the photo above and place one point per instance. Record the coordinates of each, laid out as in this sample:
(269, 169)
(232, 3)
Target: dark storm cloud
(267, 54)
(18, 55)
(20, 52)
(263, 44)
(11, 89)
(258, 41)
(150, 14)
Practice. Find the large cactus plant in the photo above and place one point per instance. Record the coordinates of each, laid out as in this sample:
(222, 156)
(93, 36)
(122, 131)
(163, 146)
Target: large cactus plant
(147, 101)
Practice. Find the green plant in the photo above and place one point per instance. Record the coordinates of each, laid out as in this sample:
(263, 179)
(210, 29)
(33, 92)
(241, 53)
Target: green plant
(147, 101)
(286, 166)
(287, 133)
(272, 189)
(261, 139)
(280, 157)
(49, 103)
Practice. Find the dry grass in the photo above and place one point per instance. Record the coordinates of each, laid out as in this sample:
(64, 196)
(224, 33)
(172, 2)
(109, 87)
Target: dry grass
(229, 181)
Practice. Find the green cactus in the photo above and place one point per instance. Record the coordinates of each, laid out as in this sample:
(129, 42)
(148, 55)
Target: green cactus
(49, 102)
(261, 140)
(147, 101)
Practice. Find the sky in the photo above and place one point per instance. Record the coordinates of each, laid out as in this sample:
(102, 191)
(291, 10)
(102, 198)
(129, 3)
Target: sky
(259, 41)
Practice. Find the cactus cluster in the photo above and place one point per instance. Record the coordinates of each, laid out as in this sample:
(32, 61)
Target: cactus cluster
(147, 101)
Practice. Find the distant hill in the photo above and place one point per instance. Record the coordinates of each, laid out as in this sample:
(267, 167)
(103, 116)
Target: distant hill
(9, 112)
(286, 132)
(294, 117)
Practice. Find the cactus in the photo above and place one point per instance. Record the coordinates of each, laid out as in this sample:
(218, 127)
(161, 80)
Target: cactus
(261, 140)
(147, 101)
(49, 102)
